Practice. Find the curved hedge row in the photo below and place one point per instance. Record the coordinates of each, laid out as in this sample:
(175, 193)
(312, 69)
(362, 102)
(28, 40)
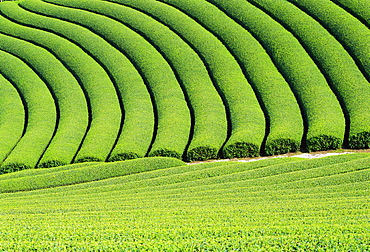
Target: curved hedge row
(173, 126)
(247, 123)
(283, 113)
(196, 80)
(210, 126)
(358, 8)
(87, 173)
(353, 35)
(334, 61)
(12, 117)
(41, 111)
(105, 107)
(71, 101)
(317, 101)
(138, 125)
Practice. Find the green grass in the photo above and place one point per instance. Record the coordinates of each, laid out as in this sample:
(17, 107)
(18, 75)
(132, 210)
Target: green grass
(138, 110)
(39, 103)
(104, 104)
(246, 119)
(12, 117)
(312, 205)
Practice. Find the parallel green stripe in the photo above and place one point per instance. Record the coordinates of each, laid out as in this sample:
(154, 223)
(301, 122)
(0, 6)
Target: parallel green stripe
(345, 78)
(358, 8)
(210, 126)
(71, 100)
(247, 122)
(283, 113)
(105, 109)
(317, 101)
(12, 117)
(138, 124)
(240, 176)
(173, 114)
(87, 173)
(40, 106)
(347, 29)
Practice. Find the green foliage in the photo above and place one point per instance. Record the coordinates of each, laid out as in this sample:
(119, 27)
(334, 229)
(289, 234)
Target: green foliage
(138, 109)
(165, 153)
(86, 173)
(247, 123)
(70, 100)
(323, 143)
(40, 171)
(202, 153)
(210, 125)
(281, 145)
(210, 206)
(104, 104)
(360, 8)
(313, 94)
(240, 149)
(87, 159)
(39, 103)
(12, 117)
(173, 114)
(163, 77)
(13, 167)
(123, 156)
(282, 111)
(51, 163)
(360, 140)
(347, 29)
(346, 79)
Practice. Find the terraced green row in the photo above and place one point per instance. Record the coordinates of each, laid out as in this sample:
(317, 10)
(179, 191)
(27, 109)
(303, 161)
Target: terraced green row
(128, 79)
(158, 203)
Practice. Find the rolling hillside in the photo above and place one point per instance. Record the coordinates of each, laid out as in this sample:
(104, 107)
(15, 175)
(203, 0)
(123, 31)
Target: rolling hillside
(162, 204)
(111, 80)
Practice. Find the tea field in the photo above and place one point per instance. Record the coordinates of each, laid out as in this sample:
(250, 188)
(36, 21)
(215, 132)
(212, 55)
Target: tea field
(103, 101)
(112, 80)
(279, 204)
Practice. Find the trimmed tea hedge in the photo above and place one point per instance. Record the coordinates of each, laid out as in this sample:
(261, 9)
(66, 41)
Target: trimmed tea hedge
(347, 29)
(210, 125)
(334, 61)
(358, 8)
(138, 124)
(283, 113)
(12, 117)
(71, 101)
(105, 109)
(87, 173)
(247, 122)
(173, 116)
(317, 101)
(41, 111)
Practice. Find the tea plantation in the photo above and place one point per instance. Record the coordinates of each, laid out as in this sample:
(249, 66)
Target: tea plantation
(113, 80)
(103, 101)
(163, 204)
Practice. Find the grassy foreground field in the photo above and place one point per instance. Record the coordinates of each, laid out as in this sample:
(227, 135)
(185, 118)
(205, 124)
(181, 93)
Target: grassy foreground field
(280, 204)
